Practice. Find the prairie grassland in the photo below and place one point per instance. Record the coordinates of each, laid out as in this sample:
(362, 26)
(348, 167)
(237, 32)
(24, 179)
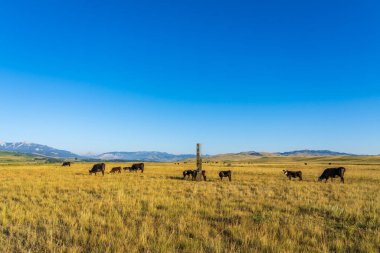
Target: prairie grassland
(48, 208)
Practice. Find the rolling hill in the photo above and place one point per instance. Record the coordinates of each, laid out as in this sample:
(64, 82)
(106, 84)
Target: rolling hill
(284, 156)
(307, 152)
(18, 158)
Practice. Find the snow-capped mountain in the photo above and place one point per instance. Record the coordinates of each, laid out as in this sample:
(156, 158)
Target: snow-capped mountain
(36, 149)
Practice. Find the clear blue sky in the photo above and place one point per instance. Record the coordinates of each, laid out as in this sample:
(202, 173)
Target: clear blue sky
(95, 76)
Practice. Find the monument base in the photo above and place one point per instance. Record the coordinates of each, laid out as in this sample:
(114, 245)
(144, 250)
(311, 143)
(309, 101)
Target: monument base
(201, 175)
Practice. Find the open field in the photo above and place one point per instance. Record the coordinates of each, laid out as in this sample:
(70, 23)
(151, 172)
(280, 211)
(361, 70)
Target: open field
(45, 207)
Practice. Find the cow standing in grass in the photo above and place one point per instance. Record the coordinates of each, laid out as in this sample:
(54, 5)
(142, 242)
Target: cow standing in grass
(187, 173)
(226, 173)
(293, 174)
(332, 173)
(115, 169)
(100, 167)
(195, 173)
(66, 164)
(137, 166)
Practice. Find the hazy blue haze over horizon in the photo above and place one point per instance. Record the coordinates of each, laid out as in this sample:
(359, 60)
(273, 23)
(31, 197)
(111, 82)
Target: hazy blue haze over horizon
(162, 75)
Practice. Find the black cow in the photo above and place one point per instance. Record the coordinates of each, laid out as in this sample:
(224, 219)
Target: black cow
(127, 168)
(195, 173)
(226, 173)
(115, 169)
(332, 173)
(137, 166)
(187, 173)
(293, 174)
(66, 164)
(100, 167)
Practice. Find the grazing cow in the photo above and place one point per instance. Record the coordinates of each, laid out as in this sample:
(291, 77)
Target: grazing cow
(195, 173)
(115, 169)
(100, 167)
(127, 168)
(187, 173)
(329, 163)
(332, 173)
(293, 174)
(226, 173)
(66, 164)
(305, 163)
(137, 166)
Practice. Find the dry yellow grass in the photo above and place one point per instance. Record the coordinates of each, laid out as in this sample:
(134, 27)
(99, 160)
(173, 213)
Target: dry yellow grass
(48, 208)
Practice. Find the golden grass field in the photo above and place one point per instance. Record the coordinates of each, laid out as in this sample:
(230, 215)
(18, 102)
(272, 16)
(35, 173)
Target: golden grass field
(49, 208)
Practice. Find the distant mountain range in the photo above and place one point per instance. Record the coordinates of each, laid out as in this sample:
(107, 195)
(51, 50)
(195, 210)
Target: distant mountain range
(153, 156)
(43, 150)
(150, 156)
(35, 149)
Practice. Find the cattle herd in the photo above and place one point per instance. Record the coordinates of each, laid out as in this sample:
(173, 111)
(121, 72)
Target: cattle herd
(101, 168)
(326, 175)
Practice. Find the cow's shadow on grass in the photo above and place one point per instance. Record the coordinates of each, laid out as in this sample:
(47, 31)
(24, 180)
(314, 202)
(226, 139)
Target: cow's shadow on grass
(80, 174)
(189, 179)
(175, 178)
